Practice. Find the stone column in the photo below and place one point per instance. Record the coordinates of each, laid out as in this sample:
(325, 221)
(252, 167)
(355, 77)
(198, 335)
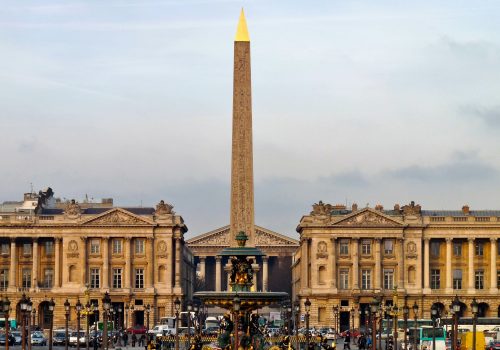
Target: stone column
(333, 264)
(218, 267)
(493, 265)
(151, 262)
(304, 261)
(127, 267)
(265, 273)
(57, 262)
(34, 255)
(178, 261)
(401, 264)
(378, 265)
(470, 270)
(13, 265)
(202, 267)
(355, 263)
(228, 277)
(105, 262)
(426, 265)
(449, 273)
(83, 261)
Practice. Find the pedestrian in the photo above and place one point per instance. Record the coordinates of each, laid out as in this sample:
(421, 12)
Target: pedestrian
(347, 340)
(141, 340)
(362, 342)
(134, 340)
(96, 343)
(125, 339)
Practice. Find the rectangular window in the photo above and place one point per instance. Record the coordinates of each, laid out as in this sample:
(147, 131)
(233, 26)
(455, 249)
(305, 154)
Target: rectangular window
(435, 245)
(117, 246)
(344, 247)
(26, 283)
(457, 279)
(27, 249)
(48, 279)
(49, 248)
(139, 278)
(139, 246)
(479, 279)
(498, 278)
(4, 279)
(344, 279)
(366, 277)
(322, 314)
(366, 247)
(117, 278)
(435, 279)
(388, 246)
(389, 279)
(5, 249)
(457, 248)
(95, 278)
(95, 246)
(479, 248)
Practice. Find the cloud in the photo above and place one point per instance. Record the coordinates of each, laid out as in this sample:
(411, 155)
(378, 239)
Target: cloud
(490, 116)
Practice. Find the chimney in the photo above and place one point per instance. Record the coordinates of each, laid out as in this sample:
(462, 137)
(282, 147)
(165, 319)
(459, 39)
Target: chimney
(465, 209)
(354, 207)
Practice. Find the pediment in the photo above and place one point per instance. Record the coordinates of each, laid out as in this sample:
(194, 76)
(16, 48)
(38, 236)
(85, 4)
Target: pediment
(220, 237)
(116, 217)
(368, 217)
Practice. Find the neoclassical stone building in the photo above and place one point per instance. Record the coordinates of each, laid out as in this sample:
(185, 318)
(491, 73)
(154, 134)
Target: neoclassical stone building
(347, 256)
(65, 251)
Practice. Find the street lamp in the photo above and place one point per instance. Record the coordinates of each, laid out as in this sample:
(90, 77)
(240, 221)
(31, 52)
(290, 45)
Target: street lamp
(196, 309)
(374, 307)
(23, 305)
(456, 314)
(6, 309)
(307, 306)
(236, 307)
(296, 307)
(475, 309)
(66, 318)
(289, 312)
(335, 317)
(406, 313)
(434, 316)
(189, 308)
(78, 314)
(52, 304)
(148, 310)
(106, 304)
(29, 308)
(415, 314)
(177, 306)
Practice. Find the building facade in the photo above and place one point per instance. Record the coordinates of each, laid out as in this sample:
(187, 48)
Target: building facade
(349, 256)
(138, 255)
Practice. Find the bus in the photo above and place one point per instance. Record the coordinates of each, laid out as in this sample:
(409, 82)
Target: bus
(12, 323)
(429, 334)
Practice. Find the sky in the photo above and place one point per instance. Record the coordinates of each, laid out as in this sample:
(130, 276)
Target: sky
(368, 102)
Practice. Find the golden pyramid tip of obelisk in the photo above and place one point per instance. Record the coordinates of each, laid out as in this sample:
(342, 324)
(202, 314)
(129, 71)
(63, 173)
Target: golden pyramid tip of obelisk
(242, 31)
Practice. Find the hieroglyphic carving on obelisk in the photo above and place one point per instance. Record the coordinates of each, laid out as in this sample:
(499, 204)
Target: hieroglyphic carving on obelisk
(242, 205)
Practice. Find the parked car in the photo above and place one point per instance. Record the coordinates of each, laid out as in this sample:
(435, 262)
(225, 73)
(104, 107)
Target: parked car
(17, 335)
(494, 345)
(330, 335)
(37, 338)
(211, 331)
(74, 337)
(137, 329)
(12, 339)
(59, 338)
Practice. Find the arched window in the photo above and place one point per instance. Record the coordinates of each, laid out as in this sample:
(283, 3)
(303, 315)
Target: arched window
(322, 275)
(161, 273)
(72, 273)
(411, 275)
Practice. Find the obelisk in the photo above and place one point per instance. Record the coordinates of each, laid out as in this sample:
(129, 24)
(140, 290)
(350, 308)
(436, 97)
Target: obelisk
(242, 205)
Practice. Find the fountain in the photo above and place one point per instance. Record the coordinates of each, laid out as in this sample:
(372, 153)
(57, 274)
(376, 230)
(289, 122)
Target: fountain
(241, 300)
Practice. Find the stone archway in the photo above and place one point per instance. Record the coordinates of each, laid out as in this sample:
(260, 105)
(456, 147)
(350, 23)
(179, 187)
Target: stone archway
(441, 308)
(463, 308)
(44, 315)
(482, 309)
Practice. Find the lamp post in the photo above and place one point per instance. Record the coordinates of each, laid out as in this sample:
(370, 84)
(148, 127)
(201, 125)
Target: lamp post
(87, 314)
(52, 304)
(236, 307)
(66, 321)
(23, 305)
(148, 310)
(406, 312)
(289, 312)
(335, 317)
(352, 325)
(456, 314)
(29, 309)
(78, 314)
(6, 310)
(177, 305)
(196, 309)
(106, 304)
(475, 309)
(434, 316)
(189, 308)
(415, 314)
(374, 307)
(296, 306)
(307, 306)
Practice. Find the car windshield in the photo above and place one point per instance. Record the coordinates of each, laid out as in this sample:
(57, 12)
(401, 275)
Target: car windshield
(60, 334)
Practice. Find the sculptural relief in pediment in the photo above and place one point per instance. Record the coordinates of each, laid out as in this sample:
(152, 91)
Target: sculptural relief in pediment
(368, 218)
(268, 239)
(116, 217)
(216, 239)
